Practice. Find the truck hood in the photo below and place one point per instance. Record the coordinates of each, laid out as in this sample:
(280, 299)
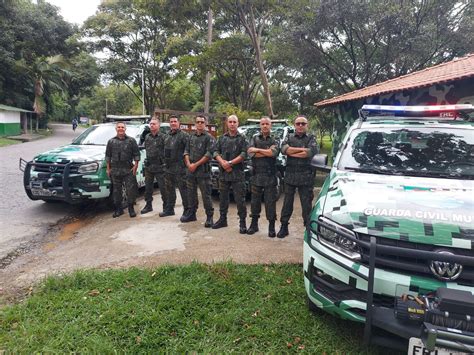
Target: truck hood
(74, 153)
(415, 209)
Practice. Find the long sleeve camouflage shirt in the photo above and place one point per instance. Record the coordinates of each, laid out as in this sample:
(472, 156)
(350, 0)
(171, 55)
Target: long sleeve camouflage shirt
(299, 170)
(264, 168)
(198, 146)
(175, 143)
(230, 147)
(121, 153)
(155, 152)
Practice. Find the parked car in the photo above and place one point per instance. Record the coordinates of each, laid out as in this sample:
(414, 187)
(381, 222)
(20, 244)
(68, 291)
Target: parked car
(391, 238)
(76, 172)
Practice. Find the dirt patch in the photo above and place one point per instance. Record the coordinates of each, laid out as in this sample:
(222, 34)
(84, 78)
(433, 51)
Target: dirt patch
(96, 240)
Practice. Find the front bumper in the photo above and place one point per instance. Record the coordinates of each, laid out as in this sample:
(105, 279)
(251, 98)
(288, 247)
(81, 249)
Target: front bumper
(345, 288)
(62, 183)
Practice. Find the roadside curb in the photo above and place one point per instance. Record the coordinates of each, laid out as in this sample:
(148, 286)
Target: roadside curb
(26, 137)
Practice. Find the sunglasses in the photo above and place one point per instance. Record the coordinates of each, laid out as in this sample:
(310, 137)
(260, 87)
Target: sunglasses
(300, 124)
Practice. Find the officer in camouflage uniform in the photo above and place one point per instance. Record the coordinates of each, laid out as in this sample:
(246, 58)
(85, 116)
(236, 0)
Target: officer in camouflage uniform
(120, 153)
(197, 155)
(263, 149)
(299, 147)
(154, 164)
(230, 153)
(175, 170)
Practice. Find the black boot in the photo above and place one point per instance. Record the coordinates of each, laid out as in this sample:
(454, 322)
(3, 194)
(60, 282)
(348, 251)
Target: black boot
(253, 226)
(118, 212)
(283, 232)
(208, 223)
(271, 229)
(190, 216)
(242, 227)
(166, 213)
(148, 208)
(131, 210)
(221, 222)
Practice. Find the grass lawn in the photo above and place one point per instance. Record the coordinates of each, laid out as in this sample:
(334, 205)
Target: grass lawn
(194, 308)
(5, 141)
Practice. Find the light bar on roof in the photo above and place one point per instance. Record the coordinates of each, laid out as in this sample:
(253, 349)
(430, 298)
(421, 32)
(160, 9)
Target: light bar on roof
(424, 108)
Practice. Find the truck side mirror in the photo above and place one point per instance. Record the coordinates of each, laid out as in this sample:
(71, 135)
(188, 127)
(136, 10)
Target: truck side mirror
(320, 161)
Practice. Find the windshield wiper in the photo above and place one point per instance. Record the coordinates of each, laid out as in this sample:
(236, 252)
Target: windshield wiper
(371, 170)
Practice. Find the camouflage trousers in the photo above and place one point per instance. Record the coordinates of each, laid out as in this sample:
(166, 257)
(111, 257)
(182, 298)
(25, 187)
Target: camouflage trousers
(127, 181)
(205, 186)
(150, 177)
(171, 182)
(306, 199)
(238, 188)
(269, 195)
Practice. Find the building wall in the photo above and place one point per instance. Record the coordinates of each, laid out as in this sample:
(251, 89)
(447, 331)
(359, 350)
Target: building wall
(9, 123)
(456, 92)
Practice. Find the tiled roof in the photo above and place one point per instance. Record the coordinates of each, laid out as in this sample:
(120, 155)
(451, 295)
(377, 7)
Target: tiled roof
(454, 70)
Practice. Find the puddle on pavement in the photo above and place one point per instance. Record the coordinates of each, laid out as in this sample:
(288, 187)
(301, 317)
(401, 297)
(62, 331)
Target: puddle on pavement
(153, 238)
(69, 229)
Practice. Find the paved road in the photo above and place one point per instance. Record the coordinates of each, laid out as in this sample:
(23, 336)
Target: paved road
(21, 219)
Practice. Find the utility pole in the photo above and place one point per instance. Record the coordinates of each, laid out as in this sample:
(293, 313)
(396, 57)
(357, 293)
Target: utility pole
(143, 88)
(207, 87)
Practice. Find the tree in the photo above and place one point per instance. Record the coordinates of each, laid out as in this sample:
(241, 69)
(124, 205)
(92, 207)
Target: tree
(48, 72)
(144, 35)
(254, 16)
(231, 59)
(362, 43)
(29, 31)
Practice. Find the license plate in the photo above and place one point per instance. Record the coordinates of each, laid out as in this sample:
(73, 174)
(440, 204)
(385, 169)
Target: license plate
(416, 347)
(41, 192)
(36, 185)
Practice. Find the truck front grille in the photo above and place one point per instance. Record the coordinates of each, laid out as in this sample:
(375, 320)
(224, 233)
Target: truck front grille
(413, 265)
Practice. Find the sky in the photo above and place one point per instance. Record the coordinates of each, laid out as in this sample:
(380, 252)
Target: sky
(76, 11)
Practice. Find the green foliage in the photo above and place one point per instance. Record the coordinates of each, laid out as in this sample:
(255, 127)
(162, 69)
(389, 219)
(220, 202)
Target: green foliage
(120, 101)
(228, 109)
(184, 94)
(29, 31)
(5, 141)
(144, 35)
(356, 44)
(217, 308)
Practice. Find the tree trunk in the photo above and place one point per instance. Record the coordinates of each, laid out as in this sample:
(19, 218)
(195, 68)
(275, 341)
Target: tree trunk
(207, 87)
(251, 29)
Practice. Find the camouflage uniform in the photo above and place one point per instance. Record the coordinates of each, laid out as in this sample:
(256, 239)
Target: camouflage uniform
(299, 175)
(264, 177)
(198, 146)
(154, 165)
(230, 147)
(121, 153)
(175, 169)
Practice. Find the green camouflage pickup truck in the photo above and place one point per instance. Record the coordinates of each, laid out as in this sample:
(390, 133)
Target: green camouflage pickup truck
(76, 172)
(391, 238)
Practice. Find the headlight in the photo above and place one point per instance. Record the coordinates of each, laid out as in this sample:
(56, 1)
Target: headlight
(336, 241)
(88, 168)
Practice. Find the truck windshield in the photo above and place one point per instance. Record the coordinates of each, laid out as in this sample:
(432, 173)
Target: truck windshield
(100, 135)
(432, 152)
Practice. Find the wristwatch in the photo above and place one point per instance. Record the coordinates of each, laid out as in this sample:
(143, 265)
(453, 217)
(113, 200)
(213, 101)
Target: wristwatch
(230, 162)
